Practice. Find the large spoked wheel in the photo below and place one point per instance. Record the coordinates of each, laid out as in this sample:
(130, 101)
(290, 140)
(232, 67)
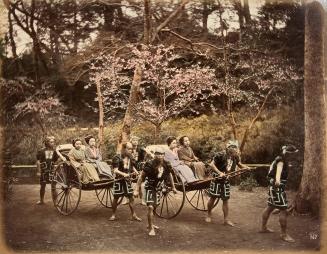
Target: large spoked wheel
(171, 204)
(199, 199)
(66, 189)
(106, 196)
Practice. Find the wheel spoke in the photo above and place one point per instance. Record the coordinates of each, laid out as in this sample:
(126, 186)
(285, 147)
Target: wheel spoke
(172, 205)
(70, 201)
(98, 192)
(162, 205)
(193, 196)
(59, 176)
(72, 196)
(67, 196)
(63, 194)
(197, 202)
(107, 193)
(73, 193)
(63, 202)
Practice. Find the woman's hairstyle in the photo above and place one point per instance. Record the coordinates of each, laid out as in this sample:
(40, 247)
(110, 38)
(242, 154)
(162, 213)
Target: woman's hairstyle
(75, 140)
(181, 139)
(170, 139)
(47, 139)
(87, 138)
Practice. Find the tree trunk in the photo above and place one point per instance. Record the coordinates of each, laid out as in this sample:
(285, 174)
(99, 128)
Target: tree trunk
(239, 9)
(13, 43)
(157, 133)
(101, 115)
(247, 14)
(135, 87)
(247, 131)
(147, 21)
(109, 18)
(205, 15)
(309, 196)
(75, 31)
(133, 99)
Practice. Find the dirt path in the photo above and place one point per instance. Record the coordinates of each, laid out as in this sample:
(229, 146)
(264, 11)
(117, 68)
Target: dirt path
(30, 227)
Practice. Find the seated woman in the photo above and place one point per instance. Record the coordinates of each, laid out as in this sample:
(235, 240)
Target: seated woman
(94, 156)
(171, 156)
(78, 159)
(186, 154)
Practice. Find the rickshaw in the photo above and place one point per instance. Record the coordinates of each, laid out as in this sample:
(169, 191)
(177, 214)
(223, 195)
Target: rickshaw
(195, 193)
(66, 185)
(66, 188)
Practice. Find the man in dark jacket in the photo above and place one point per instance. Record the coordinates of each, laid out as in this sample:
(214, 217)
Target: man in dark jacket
(45, 158)
(223, 163)
(277, 179)
(123, 166)
(155, 172)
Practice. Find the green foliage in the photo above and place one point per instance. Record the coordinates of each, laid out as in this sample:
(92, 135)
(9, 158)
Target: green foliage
(208, 134)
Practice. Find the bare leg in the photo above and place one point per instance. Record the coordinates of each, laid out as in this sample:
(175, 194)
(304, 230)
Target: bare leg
(131, 207)
(141, 191)
(114, 208)
(42, 193)
(150, 221)
(225, 211)
(211, 201)
(283, 225)
(265, 216)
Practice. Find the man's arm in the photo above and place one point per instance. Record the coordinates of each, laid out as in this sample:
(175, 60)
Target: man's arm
(242, 166)
(279, 172)
(38, 167)
(215, 169)
(117, 171)
(59, 154)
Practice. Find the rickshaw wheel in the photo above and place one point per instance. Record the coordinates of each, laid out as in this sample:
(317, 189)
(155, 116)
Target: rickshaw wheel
(105, 196)
(199, 199)
(171, 204)
(66, 188)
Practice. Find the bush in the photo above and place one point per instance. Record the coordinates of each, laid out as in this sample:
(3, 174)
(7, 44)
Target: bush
(248, 184)
(208, 135)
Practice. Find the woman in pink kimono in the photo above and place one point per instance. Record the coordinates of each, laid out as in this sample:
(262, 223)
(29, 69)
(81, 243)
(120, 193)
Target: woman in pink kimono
(94, 156)
(182, 169)
(78, 159)
(186, 154)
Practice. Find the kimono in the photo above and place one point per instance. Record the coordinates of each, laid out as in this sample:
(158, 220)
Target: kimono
(184, 171)
(186, 155)
(277, 195)
(87, 171)
(94, 156)
(155, 176)
(47, 158)
(123, 187)
(220, 188)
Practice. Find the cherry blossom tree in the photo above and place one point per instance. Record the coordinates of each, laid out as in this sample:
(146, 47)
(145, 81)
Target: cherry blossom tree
(166, 89)
(23, 100)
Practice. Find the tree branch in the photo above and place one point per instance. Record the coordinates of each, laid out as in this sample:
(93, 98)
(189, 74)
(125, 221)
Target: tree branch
(169, 19)
(246, 133)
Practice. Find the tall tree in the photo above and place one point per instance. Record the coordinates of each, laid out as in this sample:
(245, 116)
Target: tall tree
(309, 196)
(247, 14)
(150, 37)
